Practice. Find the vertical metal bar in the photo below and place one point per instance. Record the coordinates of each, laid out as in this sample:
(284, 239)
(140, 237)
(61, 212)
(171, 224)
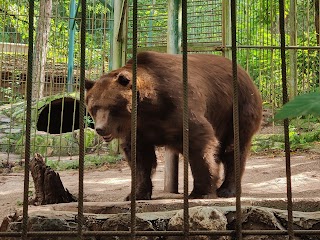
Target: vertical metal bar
(185, 119)
(28, 122)
(124, 39)
(286, 121)
(171, 158)
(236, 120)
(81, 114)
(293, 52)
(134, 117)
(72, 16)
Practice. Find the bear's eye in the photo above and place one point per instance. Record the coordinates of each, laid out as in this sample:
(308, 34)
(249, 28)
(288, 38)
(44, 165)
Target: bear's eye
(94, 110)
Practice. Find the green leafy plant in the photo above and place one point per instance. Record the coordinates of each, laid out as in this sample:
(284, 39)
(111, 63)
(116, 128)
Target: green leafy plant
(9, 95)
(302, 105)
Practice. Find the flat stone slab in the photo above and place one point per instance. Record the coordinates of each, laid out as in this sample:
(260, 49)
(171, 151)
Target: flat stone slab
(167, 215)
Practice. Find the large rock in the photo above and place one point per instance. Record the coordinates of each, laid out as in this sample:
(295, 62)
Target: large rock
(200, 218)
(255, 218)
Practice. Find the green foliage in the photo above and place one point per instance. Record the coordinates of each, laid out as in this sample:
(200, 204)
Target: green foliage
(88, 121)
(62, 165)
(304, 133)
(99, 160)
(300, 106)
(53, 145)
(9, 95)
(9, 142)
(90, 161)
(275, 142)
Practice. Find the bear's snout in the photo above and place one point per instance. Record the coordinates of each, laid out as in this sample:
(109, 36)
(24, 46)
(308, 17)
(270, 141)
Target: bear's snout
(102, 132)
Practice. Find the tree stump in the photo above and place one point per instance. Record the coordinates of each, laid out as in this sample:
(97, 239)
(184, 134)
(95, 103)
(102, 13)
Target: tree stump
(48, 186)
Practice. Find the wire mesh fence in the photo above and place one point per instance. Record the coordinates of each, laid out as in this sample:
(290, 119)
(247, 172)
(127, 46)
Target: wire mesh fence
(204, 26)
(57, 112)
(55, 117)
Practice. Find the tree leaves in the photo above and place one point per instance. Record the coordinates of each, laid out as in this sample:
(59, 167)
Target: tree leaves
(305, 104)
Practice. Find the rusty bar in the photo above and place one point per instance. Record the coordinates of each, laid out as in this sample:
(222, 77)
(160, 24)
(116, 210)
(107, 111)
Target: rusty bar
(80, 216)
(236, 119)
(184, 27)
(134, 118)
(28, 123)
(286, 121)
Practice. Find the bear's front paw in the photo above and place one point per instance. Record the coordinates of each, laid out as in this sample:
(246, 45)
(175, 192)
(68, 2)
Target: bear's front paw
(226, 192)
(139, 196)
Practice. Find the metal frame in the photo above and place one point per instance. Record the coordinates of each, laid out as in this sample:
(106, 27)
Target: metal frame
(239, 233)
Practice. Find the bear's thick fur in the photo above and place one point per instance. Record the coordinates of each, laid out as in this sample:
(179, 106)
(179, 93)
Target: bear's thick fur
(160, 109)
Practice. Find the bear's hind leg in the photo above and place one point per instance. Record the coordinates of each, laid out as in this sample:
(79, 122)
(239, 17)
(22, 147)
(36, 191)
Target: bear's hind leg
(228, 187)
(146, 163)
(203, 161)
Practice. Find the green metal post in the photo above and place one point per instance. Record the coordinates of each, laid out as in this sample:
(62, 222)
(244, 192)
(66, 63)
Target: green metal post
(226, 28)
(118, 50)
(173, 33)
(116, 53)
(173, 38)
(70, 79)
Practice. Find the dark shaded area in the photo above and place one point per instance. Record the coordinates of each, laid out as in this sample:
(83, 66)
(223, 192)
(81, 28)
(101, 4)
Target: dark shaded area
(60, 116)
(47, 183)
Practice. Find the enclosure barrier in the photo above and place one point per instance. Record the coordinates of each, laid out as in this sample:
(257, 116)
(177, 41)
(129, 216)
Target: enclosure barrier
(186, 233)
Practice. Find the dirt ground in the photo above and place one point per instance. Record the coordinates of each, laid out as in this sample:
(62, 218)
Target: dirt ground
(264, 178)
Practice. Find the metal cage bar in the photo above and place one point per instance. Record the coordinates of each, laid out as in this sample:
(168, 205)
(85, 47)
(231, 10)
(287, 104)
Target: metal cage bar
(236, 119)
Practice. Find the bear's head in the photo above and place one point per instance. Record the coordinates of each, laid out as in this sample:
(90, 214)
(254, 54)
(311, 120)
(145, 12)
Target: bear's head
(108, 101)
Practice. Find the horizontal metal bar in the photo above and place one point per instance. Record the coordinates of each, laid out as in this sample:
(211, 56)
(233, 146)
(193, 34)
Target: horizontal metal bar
(203, 13)
(201, 26)
(157, 29)
(191, 40)
(154, 8)
(276, 47)
(160, 233)
(207, 15)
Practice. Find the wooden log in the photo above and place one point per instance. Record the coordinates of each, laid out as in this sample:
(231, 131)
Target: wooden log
(48, 185)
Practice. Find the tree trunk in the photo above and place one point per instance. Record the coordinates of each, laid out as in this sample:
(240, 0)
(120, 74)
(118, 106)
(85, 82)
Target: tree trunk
(48, 186)
(41, 48)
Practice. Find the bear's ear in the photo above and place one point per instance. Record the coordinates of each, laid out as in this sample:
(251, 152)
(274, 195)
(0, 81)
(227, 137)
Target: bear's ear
(88, 84)
(123, 79)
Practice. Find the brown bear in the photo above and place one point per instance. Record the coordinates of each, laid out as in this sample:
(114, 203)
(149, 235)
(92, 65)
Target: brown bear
(160, 109)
